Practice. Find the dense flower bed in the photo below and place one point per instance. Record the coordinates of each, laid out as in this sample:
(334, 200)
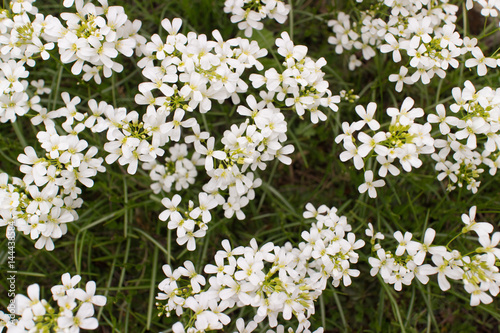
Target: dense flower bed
(202, 174)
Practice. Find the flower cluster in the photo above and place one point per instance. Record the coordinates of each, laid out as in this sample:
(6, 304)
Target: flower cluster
(45, 199)
(186, 73)
(488, 8)
(301, 85)
(199, 168)
(249, 13)
(275, 280)
(20, 44)
(472, 139)
(478, 269)
(404, 141)
(178, 171)
(14, 100)
(74, 310)
(423, 30)
(93, 37)
(23, 35)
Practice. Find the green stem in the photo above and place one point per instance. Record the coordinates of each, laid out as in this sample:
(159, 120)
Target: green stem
(19, 134)
(152, 288)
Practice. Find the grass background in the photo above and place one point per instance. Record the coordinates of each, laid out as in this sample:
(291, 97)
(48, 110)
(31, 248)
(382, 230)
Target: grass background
(120, 243)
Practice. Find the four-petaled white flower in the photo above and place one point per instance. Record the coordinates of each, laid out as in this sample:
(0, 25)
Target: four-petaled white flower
(370, 185)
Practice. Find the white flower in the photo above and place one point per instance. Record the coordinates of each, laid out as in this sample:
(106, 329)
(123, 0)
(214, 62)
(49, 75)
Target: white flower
(384, 263)
(442, 119)
(89, 295)
(444, 269)
(481, 228)
(67, 287)
(489, 246)
(353, 152)
(370, 233)
(206, 203)
(368, 115)
(209, 152)
(82, 319)
(478, 294)
(171, 211)
(189, 238)
(370, 185)
(403, 241)
(250, 327)
(196, 279)
(393, 45)
(401, 78)
(385, 166)
(470, 128)
(406, 114)
(31, 304)
(480, 61)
